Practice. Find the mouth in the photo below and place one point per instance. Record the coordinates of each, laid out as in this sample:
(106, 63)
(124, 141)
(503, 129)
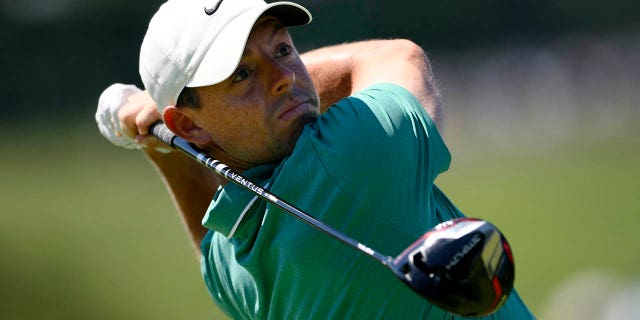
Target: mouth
(293, 110)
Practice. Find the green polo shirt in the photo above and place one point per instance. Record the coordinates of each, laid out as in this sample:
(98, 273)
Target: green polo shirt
(367, 168)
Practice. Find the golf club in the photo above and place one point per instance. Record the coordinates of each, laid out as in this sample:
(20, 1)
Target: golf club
(464, 266)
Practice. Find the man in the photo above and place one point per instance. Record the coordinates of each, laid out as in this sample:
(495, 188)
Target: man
(226, 77)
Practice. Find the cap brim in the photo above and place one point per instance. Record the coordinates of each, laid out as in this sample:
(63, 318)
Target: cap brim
(225, 52)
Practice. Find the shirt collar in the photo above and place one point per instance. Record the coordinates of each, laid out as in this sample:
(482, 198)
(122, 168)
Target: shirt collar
(231, 203)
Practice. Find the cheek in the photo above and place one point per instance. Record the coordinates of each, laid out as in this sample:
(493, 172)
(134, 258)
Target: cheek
(239, 123)
(303, 79)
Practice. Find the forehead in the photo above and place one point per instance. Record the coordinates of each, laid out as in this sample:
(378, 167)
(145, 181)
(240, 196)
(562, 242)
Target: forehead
(267, 24)
(267, 19)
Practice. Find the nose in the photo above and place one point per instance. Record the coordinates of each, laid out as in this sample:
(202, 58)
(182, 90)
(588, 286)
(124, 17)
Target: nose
(283, 79)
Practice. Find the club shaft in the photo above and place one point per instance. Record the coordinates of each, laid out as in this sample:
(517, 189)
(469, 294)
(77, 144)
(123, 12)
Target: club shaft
(168, 137)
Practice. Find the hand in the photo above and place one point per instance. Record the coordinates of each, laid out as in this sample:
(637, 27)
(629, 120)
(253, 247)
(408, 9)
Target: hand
(124, 115)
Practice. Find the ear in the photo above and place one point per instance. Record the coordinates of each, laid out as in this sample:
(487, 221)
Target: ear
(183, 126)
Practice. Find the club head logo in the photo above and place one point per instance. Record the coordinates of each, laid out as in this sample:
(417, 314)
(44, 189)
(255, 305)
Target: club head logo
(212, 10)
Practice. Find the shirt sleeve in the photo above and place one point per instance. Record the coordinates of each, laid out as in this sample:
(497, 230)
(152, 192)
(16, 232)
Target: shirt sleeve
(397, 154)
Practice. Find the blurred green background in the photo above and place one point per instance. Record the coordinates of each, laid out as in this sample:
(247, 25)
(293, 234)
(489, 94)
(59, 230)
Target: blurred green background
(542, 103)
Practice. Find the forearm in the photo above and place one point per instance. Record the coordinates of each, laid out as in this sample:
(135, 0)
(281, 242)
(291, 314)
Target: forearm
(191, 187)
(330, 69)
(341, 70)
(124, 116)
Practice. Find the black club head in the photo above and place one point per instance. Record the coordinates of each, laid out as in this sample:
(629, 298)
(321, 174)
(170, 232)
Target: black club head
(464, 266)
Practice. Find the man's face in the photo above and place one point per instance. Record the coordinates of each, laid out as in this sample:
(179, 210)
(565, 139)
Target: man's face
(257, 114)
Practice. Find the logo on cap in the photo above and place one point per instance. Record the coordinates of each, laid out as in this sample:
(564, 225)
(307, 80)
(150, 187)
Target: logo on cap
(212, 10)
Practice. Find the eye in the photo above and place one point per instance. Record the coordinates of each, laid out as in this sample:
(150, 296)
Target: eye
(284, 50)
(241, 74)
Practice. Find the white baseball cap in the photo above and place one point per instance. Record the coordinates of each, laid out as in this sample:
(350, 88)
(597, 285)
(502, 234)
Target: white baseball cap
(194, 43)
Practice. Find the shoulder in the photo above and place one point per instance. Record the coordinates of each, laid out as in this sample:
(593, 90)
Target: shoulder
(381, 113)
(388, 90)
(382, 125)
(383, 97)
(378, 109)
(383, 122)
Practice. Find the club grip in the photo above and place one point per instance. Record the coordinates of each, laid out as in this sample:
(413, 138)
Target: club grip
(163, 133)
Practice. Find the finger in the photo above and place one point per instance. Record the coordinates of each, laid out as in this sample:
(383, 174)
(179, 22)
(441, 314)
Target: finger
(126, 119)
(128, 126)
(145, 118)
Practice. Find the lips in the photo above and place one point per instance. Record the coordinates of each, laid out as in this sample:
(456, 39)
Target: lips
(293, 109)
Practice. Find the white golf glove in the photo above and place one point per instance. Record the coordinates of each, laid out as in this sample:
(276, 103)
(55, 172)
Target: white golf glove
(109, 103)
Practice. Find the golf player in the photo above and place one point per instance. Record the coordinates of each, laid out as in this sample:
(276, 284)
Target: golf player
(348, 133)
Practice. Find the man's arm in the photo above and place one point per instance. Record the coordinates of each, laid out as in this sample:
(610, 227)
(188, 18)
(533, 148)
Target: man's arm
(124, 117)
(191, 186)
(341, 70)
